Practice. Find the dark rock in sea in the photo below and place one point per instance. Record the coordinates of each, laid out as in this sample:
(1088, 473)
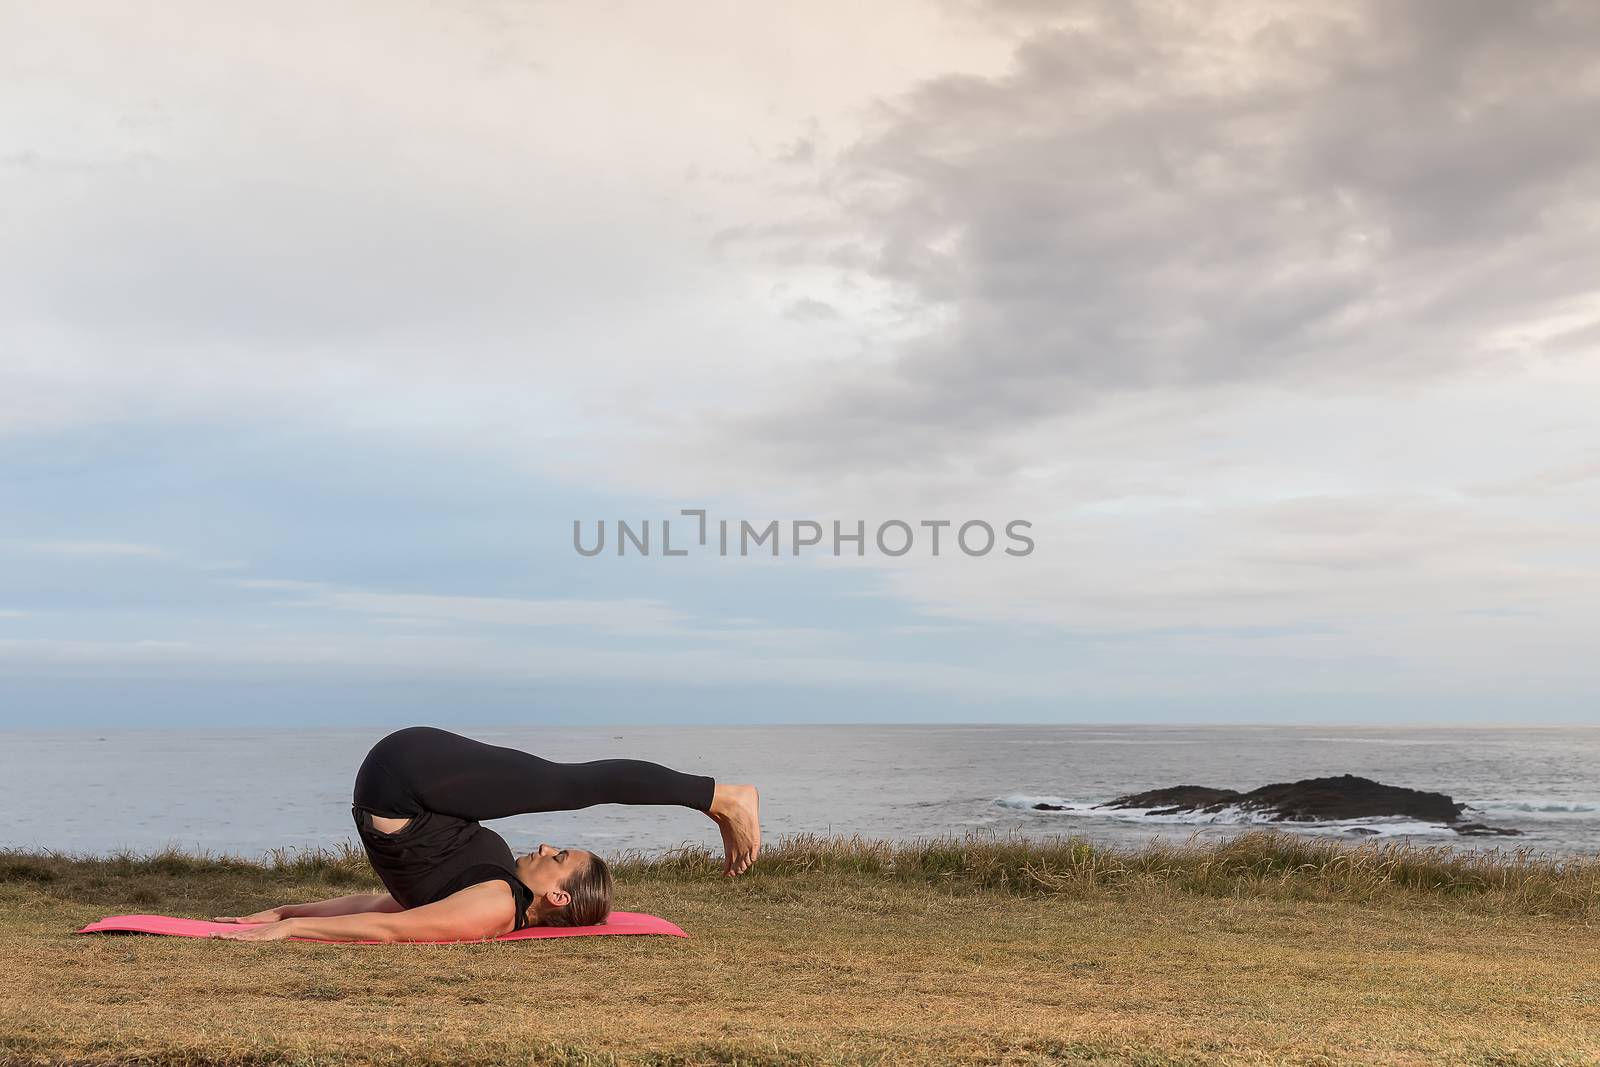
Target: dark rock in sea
(1349, 797)
(1041, 806)
(1177, 798)
(1363, 831)
(1478, 829)
(1308, 800)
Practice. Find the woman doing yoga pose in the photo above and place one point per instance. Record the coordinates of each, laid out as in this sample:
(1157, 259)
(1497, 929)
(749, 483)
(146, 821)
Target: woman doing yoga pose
(418, 797)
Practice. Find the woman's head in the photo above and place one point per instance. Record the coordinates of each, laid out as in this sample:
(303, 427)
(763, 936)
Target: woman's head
(571, 887)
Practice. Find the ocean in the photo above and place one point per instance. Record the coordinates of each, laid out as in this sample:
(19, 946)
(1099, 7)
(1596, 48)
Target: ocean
(247, 791)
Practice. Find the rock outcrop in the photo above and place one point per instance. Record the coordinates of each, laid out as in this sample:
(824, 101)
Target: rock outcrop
(1339, 799)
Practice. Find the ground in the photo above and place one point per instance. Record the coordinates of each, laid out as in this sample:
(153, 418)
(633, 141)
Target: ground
(827, 955)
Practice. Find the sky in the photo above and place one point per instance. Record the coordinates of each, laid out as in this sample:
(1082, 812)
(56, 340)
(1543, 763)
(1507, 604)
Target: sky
(322, 325)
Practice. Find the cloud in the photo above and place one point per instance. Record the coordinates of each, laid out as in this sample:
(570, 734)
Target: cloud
(87, 549)
(623, 617)
(1273, 318)
(396, 658)
(1184, 196)
(1554, 480)
(808, 308)
(318, 209)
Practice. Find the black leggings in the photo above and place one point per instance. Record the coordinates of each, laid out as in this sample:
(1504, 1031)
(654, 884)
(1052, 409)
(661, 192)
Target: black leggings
(422, 769)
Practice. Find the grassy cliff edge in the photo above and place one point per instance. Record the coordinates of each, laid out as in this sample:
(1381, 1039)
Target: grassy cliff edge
(1268, 948)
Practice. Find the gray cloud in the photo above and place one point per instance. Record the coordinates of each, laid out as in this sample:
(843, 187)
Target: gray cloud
(1181, 196)
(807, 309)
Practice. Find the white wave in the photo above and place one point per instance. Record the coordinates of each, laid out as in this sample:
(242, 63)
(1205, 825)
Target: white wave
(1389, 826)
(1398, 826)
(1536, 806)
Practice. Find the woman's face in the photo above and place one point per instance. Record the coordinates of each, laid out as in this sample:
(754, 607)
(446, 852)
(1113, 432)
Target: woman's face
(547, 868)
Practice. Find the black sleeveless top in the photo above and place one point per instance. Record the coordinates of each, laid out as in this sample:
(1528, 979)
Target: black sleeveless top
(435, 855)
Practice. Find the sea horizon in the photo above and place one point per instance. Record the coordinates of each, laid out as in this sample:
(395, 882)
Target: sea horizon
(250, 789)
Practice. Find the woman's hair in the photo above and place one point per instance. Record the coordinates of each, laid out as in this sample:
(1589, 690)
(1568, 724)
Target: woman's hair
(590, 890)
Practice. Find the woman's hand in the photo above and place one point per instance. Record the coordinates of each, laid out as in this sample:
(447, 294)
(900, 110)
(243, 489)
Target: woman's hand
(271, 915)
(271, 931)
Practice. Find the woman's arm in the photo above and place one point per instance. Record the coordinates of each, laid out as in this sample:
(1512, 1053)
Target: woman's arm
(347, 905)
(354, 904)
(471, 914)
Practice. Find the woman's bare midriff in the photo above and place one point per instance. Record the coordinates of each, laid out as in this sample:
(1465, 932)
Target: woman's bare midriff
(389, 826)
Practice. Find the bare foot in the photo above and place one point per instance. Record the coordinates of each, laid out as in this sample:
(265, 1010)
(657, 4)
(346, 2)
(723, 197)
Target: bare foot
(736, 808)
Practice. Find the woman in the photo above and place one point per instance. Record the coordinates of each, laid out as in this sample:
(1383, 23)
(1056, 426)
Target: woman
(418, 797)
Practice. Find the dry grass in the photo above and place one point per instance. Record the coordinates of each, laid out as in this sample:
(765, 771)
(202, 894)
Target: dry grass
(1264, 950)
(1254, 865)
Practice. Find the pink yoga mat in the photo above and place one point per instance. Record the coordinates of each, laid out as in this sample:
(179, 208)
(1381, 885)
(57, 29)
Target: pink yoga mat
(620, 922)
